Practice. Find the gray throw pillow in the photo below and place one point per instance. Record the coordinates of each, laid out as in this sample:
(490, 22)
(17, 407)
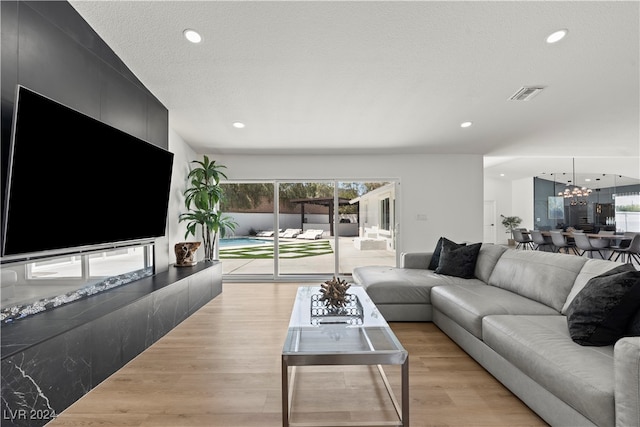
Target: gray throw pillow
(601, 312)
(458, 261)
(435, 258)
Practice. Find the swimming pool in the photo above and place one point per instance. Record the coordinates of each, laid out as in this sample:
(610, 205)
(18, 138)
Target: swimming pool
(242, 241)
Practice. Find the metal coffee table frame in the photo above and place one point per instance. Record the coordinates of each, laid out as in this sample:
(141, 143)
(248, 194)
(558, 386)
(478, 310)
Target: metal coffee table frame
(371, 343)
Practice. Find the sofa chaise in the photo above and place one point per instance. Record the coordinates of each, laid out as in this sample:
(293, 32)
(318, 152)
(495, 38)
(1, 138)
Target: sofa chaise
(511, 317)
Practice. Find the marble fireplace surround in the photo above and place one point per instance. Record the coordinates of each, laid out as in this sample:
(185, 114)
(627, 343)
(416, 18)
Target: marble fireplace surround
(51, 359)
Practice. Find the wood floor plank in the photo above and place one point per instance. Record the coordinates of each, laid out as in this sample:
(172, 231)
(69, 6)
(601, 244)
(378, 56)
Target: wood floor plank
(221, 367)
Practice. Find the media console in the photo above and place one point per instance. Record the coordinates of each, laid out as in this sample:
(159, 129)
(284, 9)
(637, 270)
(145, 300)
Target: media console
(51, 359)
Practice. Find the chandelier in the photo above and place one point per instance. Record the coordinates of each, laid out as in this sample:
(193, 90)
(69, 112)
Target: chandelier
(578, 195)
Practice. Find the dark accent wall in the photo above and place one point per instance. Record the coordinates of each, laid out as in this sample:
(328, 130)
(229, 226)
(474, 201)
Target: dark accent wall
(49, 48)
(53, 358)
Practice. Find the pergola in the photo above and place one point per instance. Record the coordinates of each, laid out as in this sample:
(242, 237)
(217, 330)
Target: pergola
(322, 201)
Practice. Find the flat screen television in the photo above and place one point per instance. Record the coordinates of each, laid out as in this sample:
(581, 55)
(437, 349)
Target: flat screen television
(76, 182)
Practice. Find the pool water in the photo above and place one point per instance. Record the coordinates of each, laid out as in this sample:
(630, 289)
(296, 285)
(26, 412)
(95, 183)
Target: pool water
(242, 241)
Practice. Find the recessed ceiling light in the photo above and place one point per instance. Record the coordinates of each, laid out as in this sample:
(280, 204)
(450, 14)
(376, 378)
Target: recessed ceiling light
(238, 125)
(192, 35)
(557, 36)
(501, 174)
(465, 124)
(587, 179)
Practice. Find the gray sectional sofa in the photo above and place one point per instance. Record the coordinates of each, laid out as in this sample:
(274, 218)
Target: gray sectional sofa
(511, 319)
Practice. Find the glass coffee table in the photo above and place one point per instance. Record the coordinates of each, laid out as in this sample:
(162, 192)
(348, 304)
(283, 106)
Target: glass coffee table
(356, 336)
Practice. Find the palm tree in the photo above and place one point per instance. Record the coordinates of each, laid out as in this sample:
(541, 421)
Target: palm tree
(201, 201)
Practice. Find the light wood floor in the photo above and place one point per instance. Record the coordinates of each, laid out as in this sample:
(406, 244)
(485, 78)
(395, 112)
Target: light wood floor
(221, 367)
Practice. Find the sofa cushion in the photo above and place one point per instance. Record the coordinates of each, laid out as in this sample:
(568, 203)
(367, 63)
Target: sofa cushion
(487, 259)
(601, 311)
(458, 261)
(392, 285)
(540, 276)
(466, 304)
(541, 348)
(591, 269)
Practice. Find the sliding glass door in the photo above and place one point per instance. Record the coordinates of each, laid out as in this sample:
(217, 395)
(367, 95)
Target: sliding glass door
(306, 211)
(289, 230)
(250, 250)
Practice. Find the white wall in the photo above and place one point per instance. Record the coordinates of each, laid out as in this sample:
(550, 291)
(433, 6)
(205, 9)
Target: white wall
(183, 154)
(522, 201)
(446, 189)
(513, 198)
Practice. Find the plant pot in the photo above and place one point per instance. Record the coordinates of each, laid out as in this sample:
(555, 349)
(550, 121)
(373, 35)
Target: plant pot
(511, 242)
(186, 253)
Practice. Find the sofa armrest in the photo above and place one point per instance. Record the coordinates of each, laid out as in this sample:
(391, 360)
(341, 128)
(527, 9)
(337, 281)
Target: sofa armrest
(626, 364)
(415, 259)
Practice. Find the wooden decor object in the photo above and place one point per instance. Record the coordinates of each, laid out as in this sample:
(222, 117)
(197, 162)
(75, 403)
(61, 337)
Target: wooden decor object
(334, 292)
(186, 253)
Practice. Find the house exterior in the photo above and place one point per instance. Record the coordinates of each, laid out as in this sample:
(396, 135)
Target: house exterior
(377, 218)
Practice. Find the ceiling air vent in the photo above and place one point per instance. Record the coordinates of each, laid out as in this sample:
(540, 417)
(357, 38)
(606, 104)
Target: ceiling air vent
(526, 93)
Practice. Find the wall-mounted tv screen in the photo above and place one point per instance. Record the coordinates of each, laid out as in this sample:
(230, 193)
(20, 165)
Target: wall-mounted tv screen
(76, 182)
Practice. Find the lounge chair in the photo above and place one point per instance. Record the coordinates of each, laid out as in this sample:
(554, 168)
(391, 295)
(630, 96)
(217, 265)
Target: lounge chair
(290, 233)
(265, 233)
(311, 234)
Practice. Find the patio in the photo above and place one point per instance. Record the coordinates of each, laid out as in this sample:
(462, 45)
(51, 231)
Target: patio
(321, 263)
(286, 250)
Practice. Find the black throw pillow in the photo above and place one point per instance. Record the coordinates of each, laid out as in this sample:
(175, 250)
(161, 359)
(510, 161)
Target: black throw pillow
(458, 261)
(633, 328)
(601, 312)
(435, 258)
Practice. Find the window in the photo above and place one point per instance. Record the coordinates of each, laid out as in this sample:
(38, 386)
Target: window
(627, 216)
(385, 214)
(62, 279)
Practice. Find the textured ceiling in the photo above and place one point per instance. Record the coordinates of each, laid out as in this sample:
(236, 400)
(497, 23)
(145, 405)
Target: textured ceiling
(311, 77)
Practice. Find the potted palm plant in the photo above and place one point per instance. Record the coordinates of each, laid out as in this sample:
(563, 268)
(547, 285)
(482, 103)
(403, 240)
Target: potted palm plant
(201, 200)
(511, 223)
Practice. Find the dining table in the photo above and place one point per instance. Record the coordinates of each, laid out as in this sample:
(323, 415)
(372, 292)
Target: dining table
(617, 237)
(613, 240)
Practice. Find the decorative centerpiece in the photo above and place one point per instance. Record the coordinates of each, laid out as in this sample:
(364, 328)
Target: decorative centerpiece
(333, 305)
(334, 293)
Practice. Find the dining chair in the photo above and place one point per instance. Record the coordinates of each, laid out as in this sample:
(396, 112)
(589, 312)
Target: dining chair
(634, 250)
(583, 243)
(631, 252)
(542, 242)
(603, 244)
(561, 243)
(622, 244)
(524, 241)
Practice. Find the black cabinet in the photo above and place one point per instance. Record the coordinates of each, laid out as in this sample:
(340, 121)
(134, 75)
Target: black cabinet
(51, 359)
